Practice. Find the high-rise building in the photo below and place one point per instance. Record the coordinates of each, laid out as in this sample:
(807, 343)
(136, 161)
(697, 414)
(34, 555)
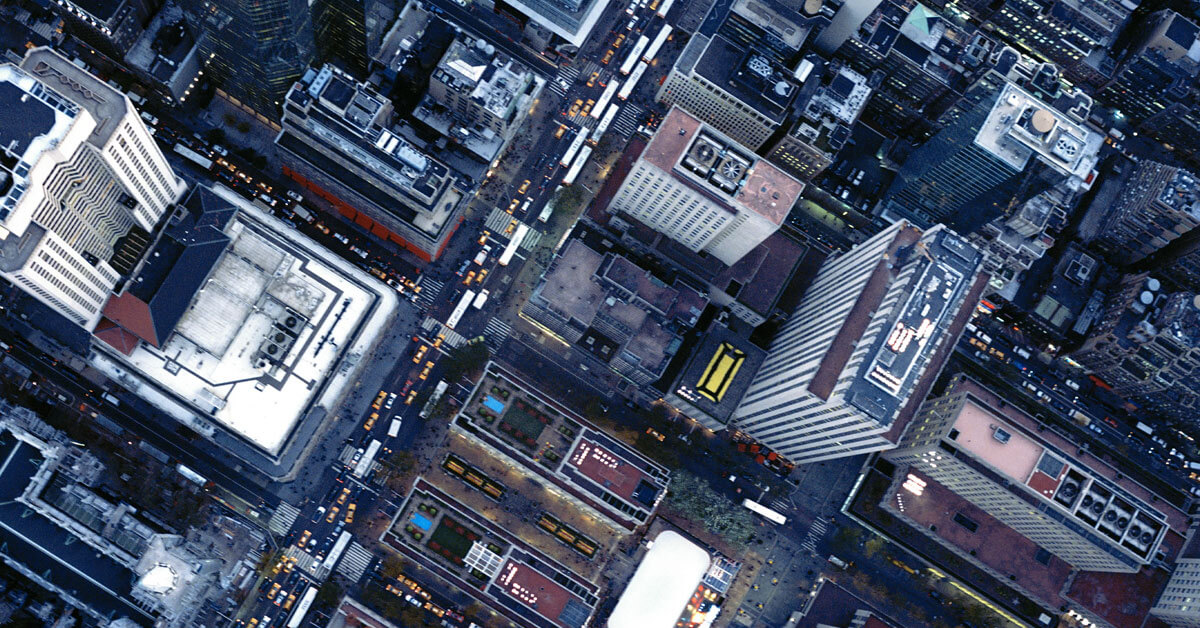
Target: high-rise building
(696, 186)
(1157, 204)
(1146, 344)
(924, 60)
(1155, 70)
(111, 27)
(1013, 243)
(339, 141)
(255, 49)
(340, 34)
(1065, 31)
(846, 372)
(1075, 506)
(736, 90)
(823, 126)
(1003, 150)
(82, 183)
(1177, 605)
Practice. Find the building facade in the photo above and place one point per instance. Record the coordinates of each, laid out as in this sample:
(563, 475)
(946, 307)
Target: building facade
(845, 372)
(1003, 150)
(338, 141)
(1157, 204)
(1178, 604)
(1146, 344)
(255, 49)
(110, 27)
(84, 175)
(696, 186)
(1036, 485)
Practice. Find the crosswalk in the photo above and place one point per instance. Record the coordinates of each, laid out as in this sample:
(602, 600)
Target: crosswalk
(430, 288)
(815, 533)
(435, 327)
(498, 221)
(531, 239)
(567, 73)
(497, 331)
(627, 121)
(355, 562)
(282, 519)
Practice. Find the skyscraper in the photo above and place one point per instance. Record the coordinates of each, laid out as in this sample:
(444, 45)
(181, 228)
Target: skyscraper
(255, 49)
(340, 34)
(1035, 481)
(1004, 149)
(696, 186)
(846, 372)
(1177, 604)
(1157, 69)
(81, 180)
(111, 27)
(1157, 204)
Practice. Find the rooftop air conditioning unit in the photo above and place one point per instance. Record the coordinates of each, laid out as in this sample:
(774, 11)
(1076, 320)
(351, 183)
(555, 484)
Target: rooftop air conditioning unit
(1001, 435)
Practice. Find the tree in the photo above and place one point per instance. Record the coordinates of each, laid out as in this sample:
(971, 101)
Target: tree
(393, 566)
(872, 546)
(329, 593)
(215, 135)
(468, 359)
(695, 499)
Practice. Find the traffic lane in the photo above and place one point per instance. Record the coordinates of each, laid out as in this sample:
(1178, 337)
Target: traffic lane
(188, 453)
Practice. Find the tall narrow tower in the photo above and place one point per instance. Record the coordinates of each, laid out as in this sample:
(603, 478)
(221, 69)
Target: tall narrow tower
(847, 370)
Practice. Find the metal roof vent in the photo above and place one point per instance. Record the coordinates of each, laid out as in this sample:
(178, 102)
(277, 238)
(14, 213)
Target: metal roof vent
(1001, 435)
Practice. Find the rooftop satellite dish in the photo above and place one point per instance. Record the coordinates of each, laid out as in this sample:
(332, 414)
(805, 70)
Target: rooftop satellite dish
(782, 88)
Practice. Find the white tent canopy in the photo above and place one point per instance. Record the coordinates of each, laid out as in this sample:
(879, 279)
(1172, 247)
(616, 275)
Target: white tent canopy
(662, 584)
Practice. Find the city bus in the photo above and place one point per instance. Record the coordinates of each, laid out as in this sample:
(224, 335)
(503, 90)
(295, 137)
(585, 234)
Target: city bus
(767, 513)
(194, 157)
(635, 55)
(657, 44)
(302, 608)
(515, 242)
(632, 81)
(605, 98)
(576, 144)
(578, 165)
(608, 118)
(460, 309)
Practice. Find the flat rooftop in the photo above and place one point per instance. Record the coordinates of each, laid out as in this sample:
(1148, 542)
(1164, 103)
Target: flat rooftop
(552, 442)
(946, 268)
(107, 105)
(34, 541)
(259, 347)
(754, 79)
(1021, 127)
(572, 20)
(590, 291)
(721, 168)
(488, 562)
(662, 585)
(718, 372)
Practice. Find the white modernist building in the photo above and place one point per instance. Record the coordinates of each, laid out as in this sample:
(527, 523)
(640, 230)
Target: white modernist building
(698, 187)
(78, 172)
(845, 372)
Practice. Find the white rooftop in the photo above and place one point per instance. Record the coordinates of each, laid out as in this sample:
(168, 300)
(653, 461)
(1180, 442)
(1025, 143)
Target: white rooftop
(662, 585)
(1021, 126)
(213, 362)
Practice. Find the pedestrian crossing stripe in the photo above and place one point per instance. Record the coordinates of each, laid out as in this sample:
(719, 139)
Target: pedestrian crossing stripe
(531, 239)
(282, 519)
(497, 330)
